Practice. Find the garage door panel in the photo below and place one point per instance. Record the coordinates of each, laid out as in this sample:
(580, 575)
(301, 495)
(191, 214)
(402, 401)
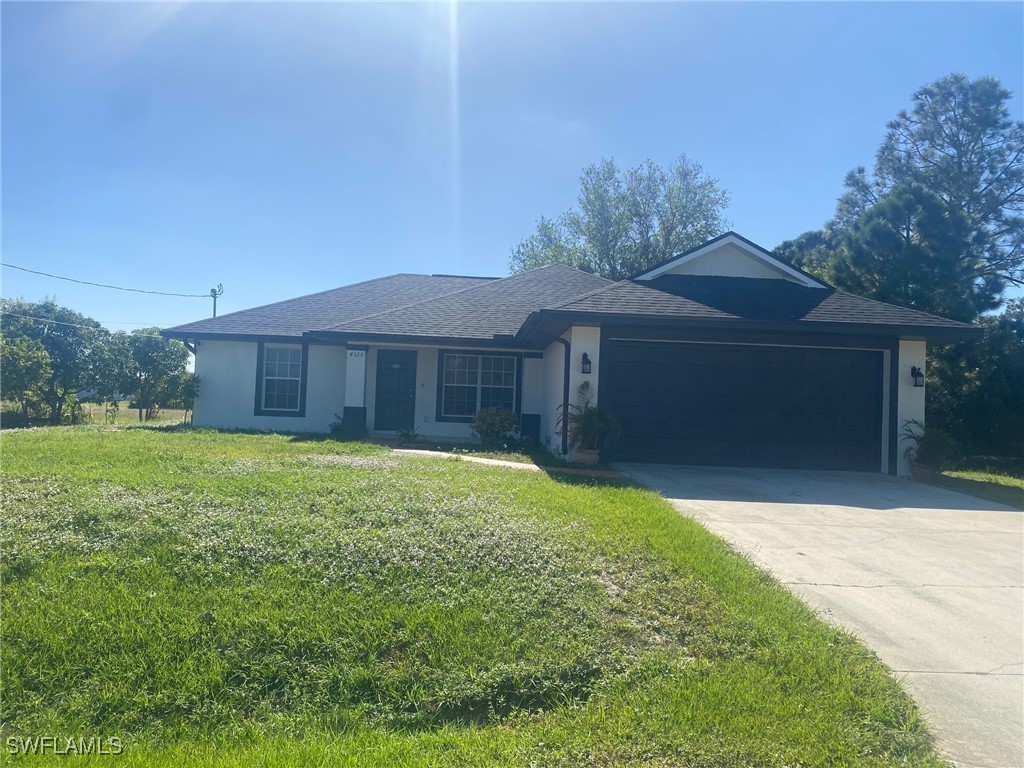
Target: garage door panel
(743, 405)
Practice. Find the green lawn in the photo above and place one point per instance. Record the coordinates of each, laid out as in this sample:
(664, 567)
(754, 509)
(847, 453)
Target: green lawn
(247, 600)
(997, 485)
(97, 413)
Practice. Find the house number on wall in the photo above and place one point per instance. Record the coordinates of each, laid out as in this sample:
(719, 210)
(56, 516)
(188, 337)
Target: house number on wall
(356, 354)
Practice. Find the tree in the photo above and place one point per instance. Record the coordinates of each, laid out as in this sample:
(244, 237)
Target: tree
(114, 368)
(180, 391)
(812, 251)
(24, 370)
(958, 143)
(154, 364)
(71, 340)
(628, 221)
(976, 389)
(909, 249)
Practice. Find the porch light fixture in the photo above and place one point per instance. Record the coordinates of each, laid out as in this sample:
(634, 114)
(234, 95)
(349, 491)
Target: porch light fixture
(918, 375)
(585, 363)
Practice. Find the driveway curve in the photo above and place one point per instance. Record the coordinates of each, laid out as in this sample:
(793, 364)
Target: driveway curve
(931, 579)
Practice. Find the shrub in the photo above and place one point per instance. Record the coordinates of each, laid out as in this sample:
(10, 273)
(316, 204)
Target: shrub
(13, 419)
(593, 428)
(408, 436)
(931, 447)
(495, 426)
(589, 428)
(73, 412)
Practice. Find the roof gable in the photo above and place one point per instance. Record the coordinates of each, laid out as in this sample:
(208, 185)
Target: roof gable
(731, 255)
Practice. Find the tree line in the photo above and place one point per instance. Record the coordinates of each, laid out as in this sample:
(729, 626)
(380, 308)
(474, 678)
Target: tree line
(50, 354)
(937, 225)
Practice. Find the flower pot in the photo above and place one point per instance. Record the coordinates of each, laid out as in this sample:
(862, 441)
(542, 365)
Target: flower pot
(588, 455)
(922, 473)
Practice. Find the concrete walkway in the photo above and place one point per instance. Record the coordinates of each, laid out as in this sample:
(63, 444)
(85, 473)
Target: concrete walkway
(521, 465)
(932, 580)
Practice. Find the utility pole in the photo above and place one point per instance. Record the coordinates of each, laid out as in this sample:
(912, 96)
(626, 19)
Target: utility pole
(214, 293)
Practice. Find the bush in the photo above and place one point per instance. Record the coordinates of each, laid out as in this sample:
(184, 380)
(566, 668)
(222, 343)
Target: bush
(408, 436)
(593, 428)
(589, 428)
(931, 447)
(495, 426)
(13, 419)
(73, 412)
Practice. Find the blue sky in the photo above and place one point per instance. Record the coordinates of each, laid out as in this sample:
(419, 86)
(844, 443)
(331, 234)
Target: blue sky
(282, 149)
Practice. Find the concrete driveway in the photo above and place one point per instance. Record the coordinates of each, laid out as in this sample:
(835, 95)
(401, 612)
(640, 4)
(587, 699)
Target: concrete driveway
(932, 580)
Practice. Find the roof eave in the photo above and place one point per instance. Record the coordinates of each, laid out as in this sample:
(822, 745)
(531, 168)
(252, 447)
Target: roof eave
(175, 333)
(342, 337)
(547, 321)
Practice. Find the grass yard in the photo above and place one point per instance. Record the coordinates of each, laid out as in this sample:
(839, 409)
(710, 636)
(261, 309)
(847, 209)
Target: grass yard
(258, 600)
(997, 485)
(96, 413)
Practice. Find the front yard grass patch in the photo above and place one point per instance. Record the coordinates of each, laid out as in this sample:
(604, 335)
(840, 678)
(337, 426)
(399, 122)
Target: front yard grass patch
(999, 484)
(242, 600)
(985, 485)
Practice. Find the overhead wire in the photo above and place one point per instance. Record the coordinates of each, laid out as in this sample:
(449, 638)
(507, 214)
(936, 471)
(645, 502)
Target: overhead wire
(73, 325)
(105, 285)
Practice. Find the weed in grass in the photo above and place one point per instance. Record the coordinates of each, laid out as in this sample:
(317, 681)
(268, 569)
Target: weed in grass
(232, 599)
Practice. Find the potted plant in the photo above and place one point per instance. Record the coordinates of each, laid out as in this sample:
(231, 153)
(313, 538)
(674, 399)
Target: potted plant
(930, 451)
(590, 429)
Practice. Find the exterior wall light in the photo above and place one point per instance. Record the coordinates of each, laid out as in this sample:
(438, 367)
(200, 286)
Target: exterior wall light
(918, 375)
(585, 363)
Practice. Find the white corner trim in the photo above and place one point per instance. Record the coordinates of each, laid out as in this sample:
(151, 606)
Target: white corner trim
(754, 252)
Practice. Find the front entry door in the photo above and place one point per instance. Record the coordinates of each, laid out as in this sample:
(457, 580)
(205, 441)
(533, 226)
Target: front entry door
(395, 406)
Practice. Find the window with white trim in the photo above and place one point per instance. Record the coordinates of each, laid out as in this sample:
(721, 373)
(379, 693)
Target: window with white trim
(474, 382)
(282, 377)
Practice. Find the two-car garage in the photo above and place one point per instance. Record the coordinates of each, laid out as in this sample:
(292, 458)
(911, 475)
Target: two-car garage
(726, 355)
(740, 404)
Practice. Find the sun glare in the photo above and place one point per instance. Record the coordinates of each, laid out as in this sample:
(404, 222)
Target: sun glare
(454, 131)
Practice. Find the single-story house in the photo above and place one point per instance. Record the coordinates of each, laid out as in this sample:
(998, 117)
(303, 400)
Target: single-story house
(723, 355)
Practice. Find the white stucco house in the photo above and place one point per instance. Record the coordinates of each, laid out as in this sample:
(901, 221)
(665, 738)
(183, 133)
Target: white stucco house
(722, 356)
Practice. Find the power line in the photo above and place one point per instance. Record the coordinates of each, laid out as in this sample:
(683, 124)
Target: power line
(104, 285)
(137, 323)
(73, 325)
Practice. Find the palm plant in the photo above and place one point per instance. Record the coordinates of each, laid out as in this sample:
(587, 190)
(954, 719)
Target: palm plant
(930, 448)
(590, 429)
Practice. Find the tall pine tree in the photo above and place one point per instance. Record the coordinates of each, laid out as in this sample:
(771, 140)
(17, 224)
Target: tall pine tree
(958, 143)
(910, 249)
